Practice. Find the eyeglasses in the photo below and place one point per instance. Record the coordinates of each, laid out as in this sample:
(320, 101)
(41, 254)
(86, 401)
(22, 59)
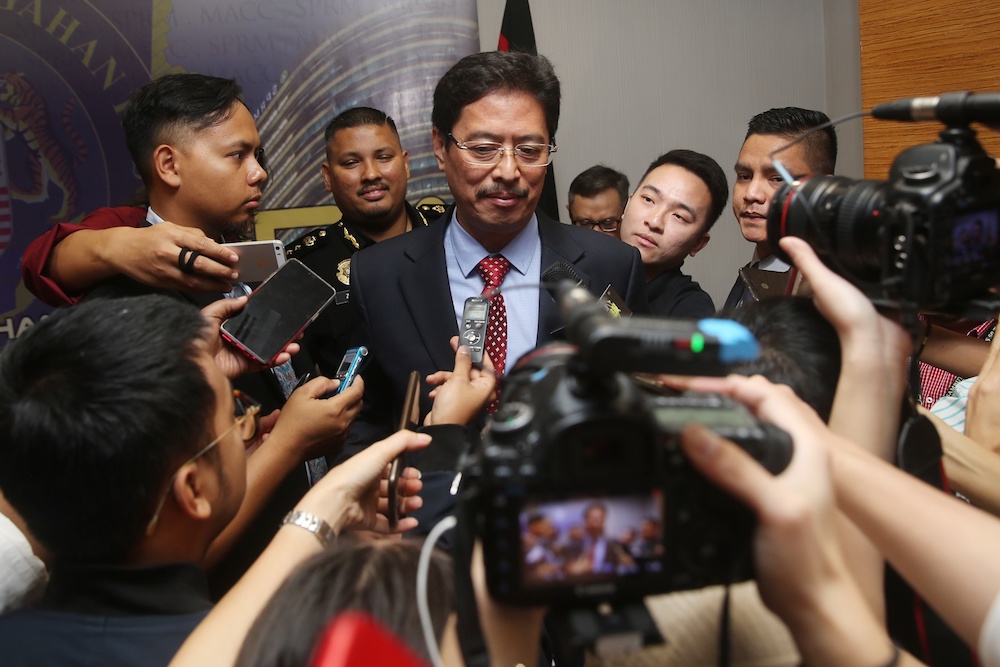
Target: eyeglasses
(606, 225)
(489, 153)
(247, 421)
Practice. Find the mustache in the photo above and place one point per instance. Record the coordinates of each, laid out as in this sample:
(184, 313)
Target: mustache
(380, 185)
(497, 189)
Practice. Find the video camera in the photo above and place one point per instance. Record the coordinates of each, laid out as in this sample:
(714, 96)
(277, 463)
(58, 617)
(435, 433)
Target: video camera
(928, 238)
(580, 454)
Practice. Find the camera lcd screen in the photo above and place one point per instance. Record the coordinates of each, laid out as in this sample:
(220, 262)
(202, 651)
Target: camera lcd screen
(674, 418)
(974, 242)
(593, 539)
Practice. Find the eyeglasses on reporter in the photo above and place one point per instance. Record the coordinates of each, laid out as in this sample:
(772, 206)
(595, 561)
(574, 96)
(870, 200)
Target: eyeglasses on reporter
(489, 153)
(606, 225)
(247, 421)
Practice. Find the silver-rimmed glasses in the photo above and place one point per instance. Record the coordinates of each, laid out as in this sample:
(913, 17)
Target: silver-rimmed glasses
(247, 421)
(489, 153)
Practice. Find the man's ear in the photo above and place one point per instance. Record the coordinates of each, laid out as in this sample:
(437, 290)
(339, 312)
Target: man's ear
(325, 170)
(702, 242)
(166, 165)
(191, 488)
(406, 163)
(439, 147)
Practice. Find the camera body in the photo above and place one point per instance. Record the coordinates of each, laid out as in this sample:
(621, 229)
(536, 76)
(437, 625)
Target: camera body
(926, 239)
(574, 461)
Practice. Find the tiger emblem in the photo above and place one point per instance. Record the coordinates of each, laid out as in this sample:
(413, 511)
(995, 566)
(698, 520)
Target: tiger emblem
(23, 115)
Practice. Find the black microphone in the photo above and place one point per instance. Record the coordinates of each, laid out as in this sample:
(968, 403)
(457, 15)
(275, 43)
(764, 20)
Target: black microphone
(953, 109)
(558, 272)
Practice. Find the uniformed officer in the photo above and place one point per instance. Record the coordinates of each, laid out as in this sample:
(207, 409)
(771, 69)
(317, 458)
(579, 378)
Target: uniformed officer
(366, 171)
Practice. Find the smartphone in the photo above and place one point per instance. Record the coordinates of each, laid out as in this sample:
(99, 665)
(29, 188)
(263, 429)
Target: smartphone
(352, 362)
(409, 419)
(277, 311)
(258, 259)
(475, 315)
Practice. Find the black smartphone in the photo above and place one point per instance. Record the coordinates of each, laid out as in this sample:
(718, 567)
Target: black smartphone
(277, 311)
(475, 315)
(410, 420)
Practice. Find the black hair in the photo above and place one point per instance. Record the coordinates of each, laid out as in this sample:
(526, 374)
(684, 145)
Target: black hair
(476, 76)
(377, 577)
(98, 403)
(798, 348)
(790, 122)
(171, 103)
(705, 168)
(358, 117)
(595, 180)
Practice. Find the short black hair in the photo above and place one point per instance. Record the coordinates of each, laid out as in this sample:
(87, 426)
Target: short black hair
(705, 168)
(790, 122)
(171, 103)
(98, 403)
(595, 180)
(798, 348)
(476, 76)
(358, 117)
(378, 578)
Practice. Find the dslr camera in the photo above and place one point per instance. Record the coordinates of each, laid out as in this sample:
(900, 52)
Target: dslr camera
(579, 490)
(928, 238)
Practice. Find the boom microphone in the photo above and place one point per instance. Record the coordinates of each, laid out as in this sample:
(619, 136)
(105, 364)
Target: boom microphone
(953, 109)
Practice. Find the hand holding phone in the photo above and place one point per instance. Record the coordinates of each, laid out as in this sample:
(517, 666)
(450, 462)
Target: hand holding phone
(409, 420)
(350, 366)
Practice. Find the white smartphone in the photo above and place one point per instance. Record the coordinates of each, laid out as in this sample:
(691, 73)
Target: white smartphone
(258, 259)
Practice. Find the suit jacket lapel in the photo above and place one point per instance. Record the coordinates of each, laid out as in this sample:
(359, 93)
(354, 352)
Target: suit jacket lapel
(423, 283)
(557, 246)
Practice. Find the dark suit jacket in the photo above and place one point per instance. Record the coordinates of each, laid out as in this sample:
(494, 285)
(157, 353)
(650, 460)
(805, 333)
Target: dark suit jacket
(403, 305)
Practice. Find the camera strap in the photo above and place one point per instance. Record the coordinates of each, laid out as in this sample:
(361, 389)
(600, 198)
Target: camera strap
(911, 622)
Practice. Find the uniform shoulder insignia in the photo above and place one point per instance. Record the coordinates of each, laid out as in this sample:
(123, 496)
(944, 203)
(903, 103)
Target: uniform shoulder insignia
(306, 243)
(431, 208)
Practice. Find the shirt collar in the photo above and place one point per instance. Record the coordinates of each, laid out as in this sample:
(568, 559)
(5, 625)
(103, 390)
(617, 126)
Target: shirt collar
(519, 251)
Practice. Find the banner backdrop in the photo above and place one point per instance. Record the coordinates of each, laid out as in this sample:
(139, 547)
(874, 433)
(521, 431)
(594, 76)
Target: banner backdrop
(67, 69)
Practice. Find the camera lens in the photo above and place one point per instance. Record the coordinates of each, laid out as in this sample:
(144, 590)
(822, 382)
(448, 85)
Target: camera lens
(839, 217)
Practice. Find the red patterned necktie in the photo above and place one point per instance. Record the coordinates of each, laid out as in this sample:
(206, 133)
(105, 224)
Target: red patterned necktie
(493, 269)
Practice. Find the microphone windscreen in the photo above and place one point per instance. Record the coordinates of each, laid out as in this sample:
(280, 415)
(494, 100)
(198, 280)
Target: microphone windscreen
(558, 272)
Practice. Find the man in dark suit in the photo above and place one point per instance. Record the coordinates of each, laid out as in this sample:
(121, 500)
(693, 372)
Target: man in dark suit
(494, 122)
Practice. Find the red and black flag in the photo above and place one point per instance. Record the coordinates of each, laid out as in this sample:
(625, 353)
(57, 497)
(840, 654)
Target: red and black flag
(517, 33)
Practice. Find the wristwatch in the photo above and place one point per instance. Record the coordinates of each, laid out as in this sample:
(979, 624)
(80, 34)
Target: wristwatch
(315, 525)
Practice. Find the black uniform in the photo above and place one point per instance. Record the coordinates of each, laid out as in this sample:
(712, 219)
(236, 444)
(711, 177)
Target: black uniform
(328, 252)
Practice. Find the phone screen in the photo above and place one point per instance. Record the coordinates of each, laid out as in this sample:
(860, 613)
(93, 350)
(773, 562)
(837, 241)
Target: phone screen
(281, 307)
(409, 419)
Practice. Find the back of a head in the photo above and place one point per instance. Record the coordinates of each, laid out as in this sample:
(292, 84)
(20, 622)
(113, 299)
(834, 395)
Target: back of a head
(358, 117)
(706, 169)
(595, 180)
(172, 104)
(790, 122)
(97, 404)
(798, 348)
(377, 577)
(476, 76)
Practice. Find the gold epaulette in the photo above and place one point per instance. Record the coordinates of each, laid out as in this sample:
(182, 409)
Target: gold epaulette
(305, 244)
